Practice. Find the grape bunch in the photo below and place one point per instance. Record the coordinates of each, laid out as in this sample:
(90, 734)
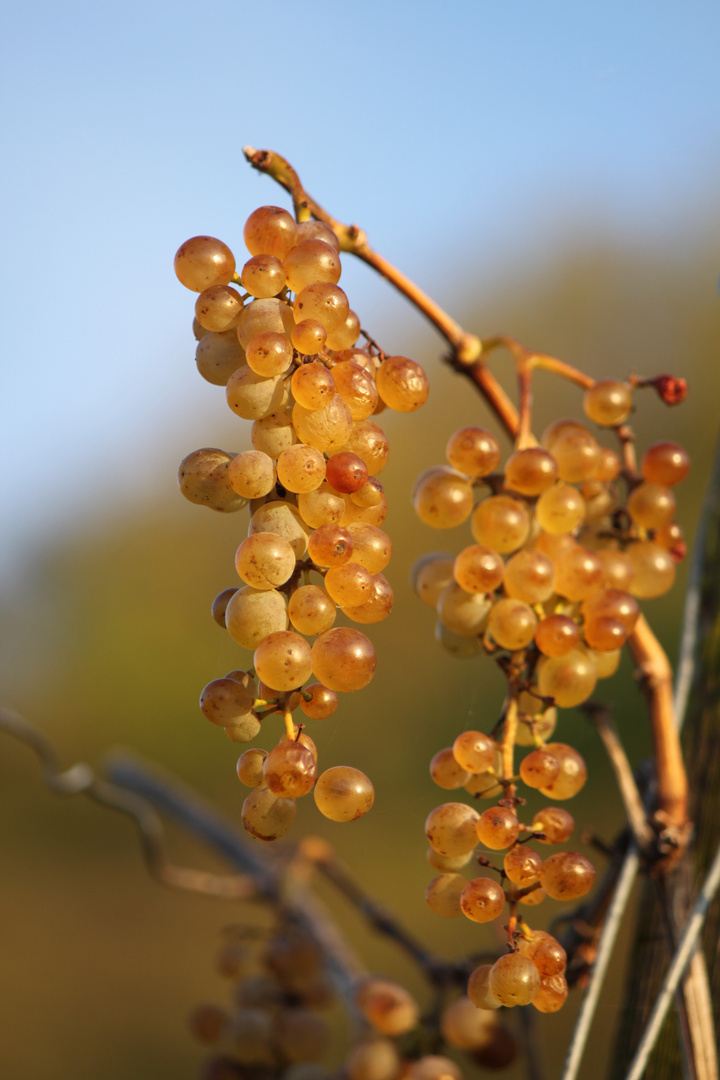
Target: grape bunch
(274, 1027)
(280, 336)
(568, 537)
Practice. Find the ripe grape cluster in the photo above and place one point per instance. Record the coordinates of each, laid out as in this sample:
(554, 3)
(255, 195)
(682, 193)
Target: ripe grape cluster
(274, 1025)
(568, 536)
(280, 336)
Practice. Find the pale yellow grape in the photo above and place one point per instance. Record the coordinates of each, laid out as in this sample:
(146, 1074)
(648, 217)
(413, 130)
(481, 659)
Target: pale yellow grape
(572, 775)
(545, 951)
(465, 1026)
(330, 545)
(349, 585)
(446, 772)
(367, 515)
(203, 479)
(252, 474)
(478, 569)
(447, 864)
(344, 659)
(376, 607)
(500, 523)
(263, 276)
(218, 308)
(311, 610)
(243, 730)
(552, 994)
(478, 988)
(203, 261)
(512, 623)
(474, 751)
(265, 560)
(312, 385)
(556, 635)
(652, 506)
(604, 634)
(473, 451)
(606, 663)
(327, 428)
(218, 355)
(253, 396)
(497, 828)
(250, 767)
(514, 980)
(402, 384)
(264, 316)
(608, 402)
(463, 613)
(567, 875)
(267, 816)
(219, 605)
(530, 471)
(269, 354)
(290, 769)
(609, 466)
(665, 463)
(529, 576)
(386, 1005)
(225, 701)
(312, 260)
(433, 1067)
(309, 337)
(578, 574)
(343, 793)
(301, 468)
(252, 614)
(346, 335)
(522, 865)
(373, 1059)
(577, 455)
(443, 895)
(273, 433)
(430, 574)
(555, 823)
(372, 547)
(482, 900)
(317, 230)
(450, 828)
(324, 302)
(617, 569)
(323, 506)
(280, 517)
(653, 570)
(321, 703)
(458, 645)
(370, 494)
(270, 230)
(443, 498)
(560, 509)
(368, 440)
(569, 679)
(357, 389)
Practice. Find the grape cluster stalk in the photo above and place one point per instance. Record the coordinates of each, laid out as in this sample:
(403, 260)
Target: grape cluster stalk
(568, 536)
(280, 336)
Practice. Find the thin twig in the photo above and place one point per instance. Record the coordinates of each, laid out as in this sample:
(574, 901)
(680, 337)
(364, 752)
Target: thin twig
(634, 809)
(606, 945)
(677, 967)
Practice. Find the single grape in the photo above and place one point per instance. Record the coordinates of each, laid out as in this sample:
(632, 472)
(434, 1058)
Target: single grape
(539, 768)
(290, 770)
(283, 660)
(500, 523)
(203, 261)
(572, 775)
(322, 702)
(478, 988)
(343, 793)
(569, 679)
(386, 1005)
(530, 471)
(557, 635)
(446, 772)
(451, 828)
(482, 899)
(402, 384)
(270, 230)
(665, 463)
(608, 402)
(267, 816)
(474, 751)
(567, 875)
(555, 823)
(497, 828)
(443, 895)
(514, 980)
(522, 865)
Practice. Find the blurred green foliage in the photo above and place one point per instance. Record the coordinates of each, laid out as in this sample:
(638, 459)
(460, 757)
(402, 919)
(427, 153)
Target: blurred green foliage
(108, 639)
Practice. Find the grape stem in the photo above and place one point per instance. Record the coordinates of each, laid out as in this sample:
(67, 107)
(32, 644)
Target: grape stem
(466, 348)
(672, 787)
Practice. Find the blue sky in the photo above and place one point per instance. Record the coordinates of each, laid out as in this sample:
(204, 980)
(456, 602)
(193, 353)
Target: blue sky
(432, 126)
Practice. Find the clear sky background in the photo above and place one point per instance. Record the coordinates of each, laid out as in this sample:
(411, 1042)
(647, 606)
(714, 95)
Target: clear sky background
(478, 131)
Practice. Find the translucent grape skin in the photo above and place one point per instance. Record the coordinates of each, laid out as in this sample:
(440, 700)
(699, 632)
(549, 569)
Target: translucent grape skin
(343, 793)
